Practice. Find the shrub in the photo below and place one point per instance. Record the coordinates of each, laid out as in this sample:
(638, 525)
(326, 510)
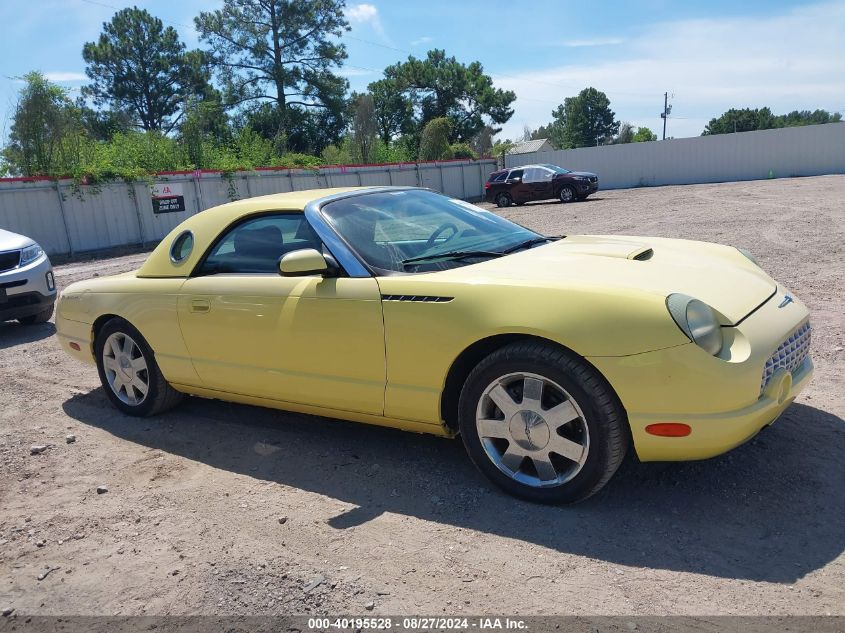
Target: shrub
(434, 144)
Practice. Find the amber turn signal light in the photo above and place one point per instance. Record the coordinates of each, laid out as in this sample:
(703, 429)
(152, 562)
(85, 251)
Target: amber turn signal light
(669, 429)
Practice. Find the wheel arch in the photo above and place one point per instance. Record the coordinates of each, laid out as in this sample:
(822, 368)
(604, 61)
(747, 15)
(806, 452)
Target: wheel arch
(99, 322)
(465, 362)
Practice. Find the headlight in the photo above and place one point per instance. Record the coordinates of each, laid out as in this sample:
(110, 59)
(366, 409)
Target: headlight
(697, 320)
(749, 255)
(30, 254)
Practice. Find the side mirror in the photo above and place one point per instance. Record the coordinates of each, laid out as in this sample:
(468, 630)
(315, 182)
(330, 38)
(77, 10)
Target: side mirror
(305, 262)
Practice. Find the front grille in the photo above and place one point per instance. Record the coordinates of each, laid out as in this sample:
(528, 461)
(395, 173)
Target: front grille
(21, 300)
(9, 260)
(789, 355)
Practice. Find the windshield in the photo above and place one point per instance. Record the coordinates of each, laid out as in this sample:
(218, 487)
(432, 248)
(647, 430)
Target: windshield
(389, 228)
(556, 169)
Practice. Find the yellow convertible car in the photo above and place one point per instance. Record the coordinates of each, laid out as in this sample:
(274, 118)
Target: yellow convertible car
(549, 356)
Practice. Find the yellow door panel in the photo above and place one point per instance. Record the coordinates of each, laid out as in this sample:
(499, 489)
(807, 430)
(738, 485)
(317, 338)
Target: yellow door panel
(309, 340)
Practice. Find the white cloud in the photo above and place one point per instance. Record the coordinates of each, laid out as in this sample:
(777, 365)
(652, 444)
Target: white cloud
(61, 76)
(346, 71)
(362, 13)
(790, 61)
(425, 39)
(367, 14)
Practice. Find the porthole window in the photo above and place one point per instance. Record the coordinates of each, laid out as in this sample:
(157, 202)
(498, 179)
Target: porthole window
(182, 247)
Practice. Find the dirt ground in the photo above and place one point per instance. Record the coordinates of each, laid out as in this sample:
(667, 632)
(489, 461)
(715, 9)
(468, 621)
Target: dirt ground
(191, 520)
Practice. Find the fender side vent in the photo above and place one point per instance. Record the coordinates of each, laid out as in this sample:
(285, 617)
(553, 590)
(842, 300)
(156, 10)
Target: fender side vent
(417, 298)
(643, 255)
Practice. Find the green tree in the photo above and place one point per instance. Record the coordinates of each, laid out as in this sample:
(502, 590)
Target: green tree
(462, 150)
(100, 124)
(583, 120)
(393, 110)
(542, 132)
(46, 132)
(741, 120)
(482, 143)
(643, 135)
(440, 86)
(624, 135)
(364, 128)
(141, 67)
(281, 52)
(748, 120)
(434, 142)
(500, 148)
(806, 117)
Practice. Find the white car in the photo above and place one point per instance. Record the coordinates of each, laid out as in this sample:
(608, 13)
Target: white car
(27, 285)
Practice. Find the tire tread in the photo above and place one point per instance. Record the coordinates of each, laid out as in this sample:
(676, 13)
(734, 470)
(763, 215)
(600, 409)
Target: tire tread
(605, 401)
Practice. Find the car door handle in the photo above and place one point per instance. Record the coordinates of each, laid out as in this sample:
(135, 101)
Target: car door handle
(200, 305)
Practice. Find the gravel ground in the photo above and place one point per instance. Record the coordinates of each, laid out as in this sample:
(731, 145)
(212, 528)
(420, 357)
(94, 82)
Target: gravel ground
(222, 508)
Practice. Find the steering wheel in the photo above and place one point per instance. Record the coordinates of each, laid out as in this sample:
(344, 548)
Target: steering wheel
(443, 227)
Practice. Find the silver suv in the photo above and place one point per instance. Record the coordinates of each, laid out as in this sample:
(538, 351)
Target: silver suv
(27, 285)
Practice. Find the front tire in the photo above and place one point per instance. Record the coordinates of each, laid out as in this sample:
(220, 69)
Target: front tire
(41, 317)
(129, 372)
(504, 200)
(567, 194)
(542, 424)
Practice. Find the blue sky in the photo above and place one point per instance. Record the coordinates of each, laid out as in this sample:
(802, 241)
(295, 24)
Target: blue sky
(709, 55)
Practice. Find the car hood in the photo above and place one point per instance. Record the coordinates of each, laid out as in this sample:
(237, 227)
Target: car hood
(12, 241)
(718, 275)
(579, 173)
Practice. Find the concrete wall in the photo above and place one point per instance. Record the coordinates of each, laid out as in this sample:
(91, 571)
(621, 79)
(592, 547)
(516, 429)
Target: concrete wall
(813, 150)
(65, 220)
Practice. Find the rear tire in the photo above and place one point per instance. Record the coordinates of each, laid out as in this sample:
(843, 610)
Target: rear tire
(504, 200)
(129, 372)
(542, 424)
(567, 194)
(41, 317)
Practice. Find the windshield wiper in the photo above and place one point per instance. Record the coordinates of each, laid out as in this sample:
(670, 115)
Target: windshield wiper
(530, 243)
(452, 255)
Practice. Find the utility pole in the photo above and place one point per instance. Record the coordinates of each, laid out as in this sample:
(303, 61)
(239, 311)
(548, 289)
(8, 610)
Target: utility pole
(665, 114)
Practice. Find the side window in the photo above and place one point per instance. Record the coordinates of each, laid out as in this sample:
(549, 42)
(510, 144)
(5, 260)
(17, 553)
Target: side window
(516, 173)
(532, 174)
(256, 245)
(501, 177)
(545, 174)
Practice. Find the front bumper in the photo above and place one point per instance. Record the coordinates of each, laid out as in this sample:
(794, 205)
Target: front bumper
(718, 433)
(27, 290)
(719, 398)
(585, 188)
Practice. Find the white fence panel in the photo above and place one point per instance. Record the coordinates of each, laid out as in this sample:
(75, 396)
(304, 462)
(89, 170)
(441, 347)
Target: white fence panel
(263, 183)
(94, 218)
(97, 220)
(405, 177)
(33, 209)
(813, 150)
(452, 177)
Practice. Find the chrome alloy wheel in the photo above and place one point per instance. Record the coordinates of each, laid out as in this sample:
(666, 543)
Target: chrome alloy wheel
(532, 430)
(126, 369)
(567, 194)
